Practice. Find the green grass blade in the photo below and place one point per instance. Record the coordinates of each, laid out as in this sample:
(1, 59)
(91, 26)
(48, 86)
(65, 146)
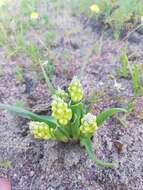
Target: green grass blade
(88, 146)
(47, 79)
(136, 79)
(124, 60)
(103, 116)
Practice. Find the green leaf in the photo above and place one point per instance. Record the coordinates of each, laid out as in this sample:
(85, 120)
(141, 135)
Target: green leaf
(88, 146)
(75, 127)
(103, 116)
(29, 115)
(77, 110)
(59, 135)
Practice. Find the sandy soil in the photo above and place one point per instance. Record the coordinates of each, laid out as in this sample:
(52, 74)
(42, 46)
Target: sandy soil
(40, 165)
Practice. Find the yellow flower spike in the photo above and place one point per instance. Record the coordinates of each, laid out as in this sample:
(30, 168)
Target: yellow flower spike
(40, 130)
(60, 111)
(34, 15)
(88, 124)
(75, 90)
(95, 8)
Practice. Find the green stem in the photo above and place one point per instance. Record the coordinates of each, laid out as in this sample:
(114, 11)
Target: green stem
(50, 86)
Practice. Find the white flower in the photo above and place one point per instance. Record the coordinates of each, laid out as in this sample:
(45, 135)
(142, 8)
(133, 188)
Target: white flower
(118, 86)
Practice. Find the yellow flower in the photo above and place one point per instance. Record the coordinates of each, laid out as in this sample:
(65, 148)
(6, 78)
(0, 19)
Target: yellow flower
(34, 15)
(40, 130)
(75, 90)
(60, 111)
(88, 124)
(95, 8)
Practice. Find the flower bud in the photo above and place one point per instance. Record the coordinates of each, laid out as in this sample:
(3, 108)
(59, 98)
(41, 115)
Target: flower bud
(40, 130)
(88, 124)
(61, 111)
(62, 94)
(75, 90)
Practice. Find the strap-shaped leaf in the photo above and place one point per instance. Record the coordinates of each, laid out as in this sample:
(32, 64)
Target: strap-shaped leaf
(75, 127)
(88, 146)
(103, 116)
(77, 110)
(29, 115)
